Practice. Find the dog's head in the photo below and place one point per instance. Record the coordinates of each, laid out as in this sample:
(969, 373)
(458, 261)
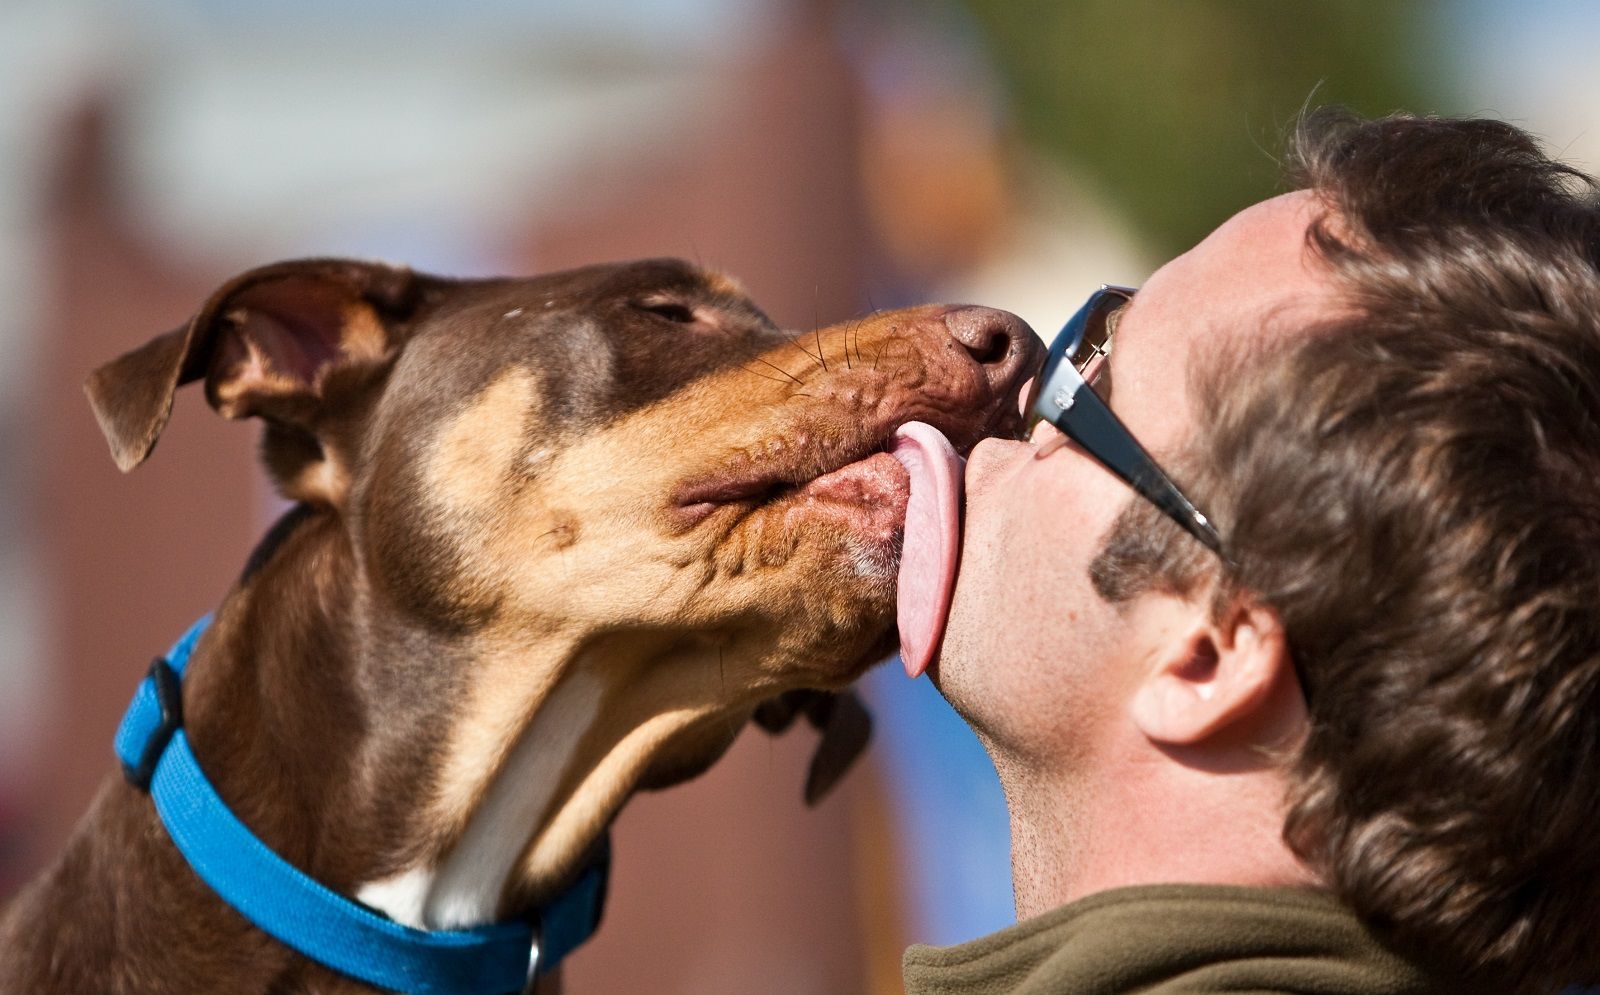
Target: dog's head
(622, 476)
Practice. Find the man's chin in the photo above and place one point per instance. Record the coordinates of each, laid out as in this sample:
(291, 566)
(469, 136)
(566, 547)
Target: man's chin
(950, 662)
(947, 668)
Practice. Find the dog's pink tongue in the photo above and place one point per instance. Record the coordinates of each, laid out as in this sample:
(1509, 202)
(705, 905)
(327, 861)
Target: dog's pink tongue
(933, 527)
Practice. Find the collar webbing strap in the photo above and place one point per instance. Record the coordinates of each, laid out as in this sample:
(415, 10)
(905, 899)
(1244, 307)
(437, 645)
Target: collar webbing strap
(321, 924)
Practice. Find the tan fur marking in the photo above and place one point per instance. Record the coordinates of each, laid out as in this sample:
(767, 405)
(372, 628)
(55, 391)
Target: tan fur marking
(474, 454)
(326, 481)
(254, 376)
(363, 335)
(725, 285)
(605, 785)
(479, 745)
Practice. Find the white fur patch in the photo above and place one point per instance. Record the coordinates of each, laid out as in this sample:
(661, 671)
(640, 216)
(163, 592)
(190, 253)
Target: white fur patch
(467, 887)
(464, 891)
(873, 560)
(400, 897)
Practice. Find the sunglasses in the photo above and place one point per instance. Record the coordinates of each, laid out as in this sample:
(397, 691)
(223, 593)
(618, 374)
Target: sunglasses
(1063, 396)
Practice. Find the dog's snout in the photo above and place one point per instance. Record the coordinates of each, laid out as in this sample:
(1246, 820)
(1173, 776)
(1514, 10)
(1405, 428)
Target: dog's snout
(1002, 344)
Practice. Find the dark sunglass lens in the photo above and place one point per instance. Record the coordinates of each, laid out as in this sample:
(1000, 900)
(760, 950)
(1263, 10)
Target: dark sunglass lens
(1096, 330)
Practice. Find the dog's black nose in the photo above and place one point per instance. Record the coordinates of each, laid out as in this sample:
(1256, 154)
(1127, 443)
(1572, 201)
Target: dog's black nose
(1001, 343)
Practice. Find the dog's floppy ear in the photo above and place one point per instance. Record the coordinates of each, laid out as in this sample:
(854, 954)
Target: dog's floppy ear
(266, 343)
(844, 722)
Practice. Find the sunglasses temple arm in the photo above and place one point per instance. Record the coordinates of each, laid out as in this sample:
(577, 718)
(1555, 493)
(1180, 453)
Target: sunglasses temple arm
(1092, 425)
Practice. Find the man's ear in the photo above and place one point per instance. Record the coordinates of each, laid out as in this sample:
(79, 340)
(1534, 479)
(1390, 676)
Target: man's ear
(272, 342)
(1205, 677)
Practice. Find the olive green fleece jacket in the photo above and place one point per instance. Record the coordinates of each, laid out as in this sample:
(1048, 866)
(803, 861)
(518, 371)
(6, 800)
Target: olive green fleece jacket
(1175, 938)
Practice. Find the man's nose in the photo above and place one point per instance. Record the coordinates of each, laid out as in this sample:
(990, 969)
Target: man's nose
(1002, 344)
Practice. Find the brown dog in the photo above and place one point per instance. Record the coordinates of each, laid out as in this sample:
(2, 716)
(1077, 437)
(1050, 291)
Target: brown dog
(556, 539)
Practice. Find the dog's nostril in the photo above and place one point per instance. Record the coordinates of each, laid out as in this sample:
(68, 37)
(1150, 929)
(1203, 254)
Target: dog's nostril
(994, 351)
(998, 341)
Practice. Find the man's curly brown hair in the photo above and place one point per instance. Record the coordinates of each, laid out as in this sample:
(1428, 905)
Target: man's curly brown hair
(1415, 489)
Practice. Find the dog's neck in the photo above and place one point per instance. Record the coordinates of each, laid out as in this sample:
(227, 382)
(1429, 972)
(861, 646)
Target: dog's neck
(363, 771)
(515, 811)
(450, 781)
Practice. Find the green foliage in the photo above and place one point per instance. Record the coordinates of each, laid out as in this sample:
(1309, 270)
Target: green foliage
(1176, 110)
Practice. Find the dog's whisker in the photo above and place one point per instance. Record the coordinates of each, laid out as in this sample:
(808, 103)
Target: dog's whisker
(861, 356)
(816, 321)
(763, 376)
(780, 369)
(894, 331)
(889, 344)
(794, 340)
(872, 312)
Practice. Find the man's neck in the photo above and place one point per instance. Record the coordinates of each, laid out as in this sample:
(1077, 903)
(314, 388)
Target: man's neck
(1144, 823)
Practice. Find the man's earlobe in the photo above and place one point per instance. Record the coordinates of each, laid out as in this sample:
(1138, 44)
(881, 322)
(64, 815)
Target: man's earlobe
(1207, 678)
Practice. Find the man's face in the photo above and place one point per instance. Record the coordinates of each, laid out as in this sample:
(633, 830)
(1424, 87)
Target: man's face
(1033, 658)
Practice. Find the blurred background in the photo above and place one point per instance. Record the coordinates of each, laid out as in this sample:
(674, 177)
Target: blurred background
(836, 157)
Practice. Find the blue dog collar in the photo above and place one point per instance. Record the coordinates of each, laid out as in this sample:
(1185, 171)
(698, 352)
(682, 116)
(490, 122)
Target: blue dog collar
(283, 902)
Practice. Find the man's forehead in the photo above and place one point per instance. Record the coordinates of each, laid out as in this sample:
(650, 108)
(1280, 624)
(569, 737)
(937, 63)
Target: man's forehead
(1270, 234)
(1255, 273)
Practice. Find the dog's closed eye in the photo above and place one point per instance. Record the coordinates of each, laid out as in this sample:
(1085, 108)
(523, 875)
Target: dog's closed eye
(673, 311)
